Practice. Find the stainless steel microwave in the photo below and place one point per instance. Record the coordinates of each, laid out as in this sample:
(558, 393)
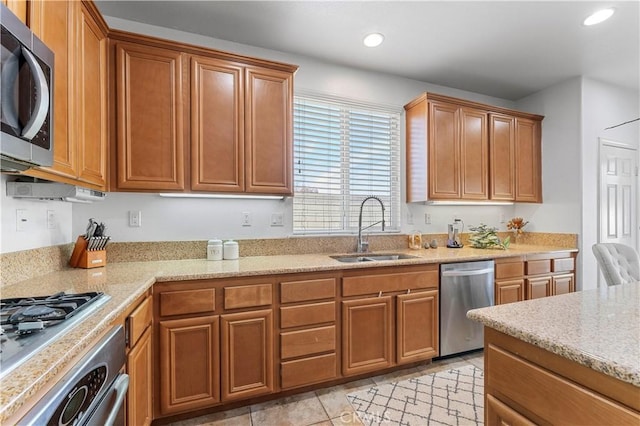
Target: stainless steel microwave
(26, 96)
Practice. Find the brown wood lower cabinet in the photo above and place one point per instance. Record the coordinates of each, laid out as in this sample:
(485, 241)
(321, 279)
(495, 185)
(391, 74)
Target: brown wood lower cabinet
(417, 326)
(247, 354)
(139, 367)
(538, 287)
(189, 363)
(509, 291)
(367, 335)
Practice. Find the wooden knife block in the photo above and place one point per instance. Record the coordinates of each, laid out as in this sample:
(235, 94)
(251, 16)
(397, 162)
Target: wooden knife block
(83, 258)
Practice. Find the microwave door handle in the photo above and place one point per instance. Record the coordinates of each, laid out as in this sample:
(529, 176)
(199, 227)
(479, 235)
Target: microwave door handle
(42, 98)
(120, 386)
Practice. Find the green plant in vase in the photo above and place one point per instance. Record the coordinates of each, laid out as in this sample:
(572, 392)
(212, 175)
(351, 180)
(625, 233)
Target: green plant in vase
(485, 237)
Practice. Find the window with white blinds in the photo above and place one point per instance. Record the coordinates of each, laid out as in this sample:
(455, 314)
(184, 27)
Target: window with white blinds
(344, 152)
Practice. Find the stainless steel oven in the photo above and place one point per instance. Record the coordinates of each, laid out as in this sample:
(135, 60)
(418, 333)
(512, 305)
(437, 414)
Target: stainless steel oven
(26, 94)
(92, 392)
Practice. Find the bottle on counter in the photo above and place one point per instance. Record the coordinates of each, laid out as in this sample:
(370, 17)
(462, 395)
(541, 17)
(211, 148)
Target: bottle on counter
(230, 250)
(214, 249)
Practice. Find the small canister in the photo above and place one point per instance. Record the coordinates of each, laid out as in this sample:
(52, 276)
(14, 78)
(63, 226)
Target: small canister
(214, 250)
(231, 250)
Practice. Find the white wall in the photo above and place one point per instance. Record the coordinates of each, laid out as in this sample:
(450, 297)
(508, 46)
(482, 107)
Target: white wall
(36, 233)
(560, 209)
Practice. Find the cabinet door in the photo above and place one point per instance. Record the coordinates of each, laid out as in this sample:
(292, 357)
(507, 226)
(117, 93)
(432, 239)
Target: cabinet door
(189, 364)
(562, 284)
(150, 135)
(91, 100)
(528, 161)
(139, 368)
(509, 291)
(444, 151)
(269, 131)
(417, 326)
(367, 335)
(474, 154)
(538, 287)
(502, 157)
(247, 354)
(217, 125)
(53, 23)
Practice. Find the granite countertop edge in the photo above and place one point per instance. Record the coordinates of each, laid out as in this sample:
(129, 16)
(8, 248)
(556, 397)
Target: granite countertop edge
(127, 281)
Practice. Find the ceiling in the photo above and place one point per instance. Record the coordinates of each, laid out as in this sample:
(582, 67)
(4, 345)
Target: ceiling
(503, 49)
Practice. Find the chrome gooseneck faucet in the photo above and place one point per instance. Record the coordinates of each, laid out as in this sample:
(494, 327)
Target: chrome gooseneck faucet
(363, 246)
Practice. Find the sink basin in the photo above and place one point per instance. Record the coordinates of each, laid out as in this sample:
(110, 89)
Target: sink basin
(366, 257)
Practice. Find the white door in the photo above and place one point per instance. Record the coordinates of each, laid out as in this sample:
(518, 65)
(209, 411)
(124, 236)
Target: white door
(618, 190)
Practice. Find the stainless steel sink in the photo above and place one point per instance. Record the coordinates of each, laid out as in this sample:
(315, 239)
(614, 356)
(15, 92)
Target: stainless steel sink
(365, 257)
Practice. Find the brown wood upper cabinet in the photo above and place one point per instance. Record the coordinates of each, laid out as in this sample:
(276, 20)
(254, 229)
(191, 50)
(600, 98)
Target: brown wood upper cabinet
(463, 150)
(77, 34)
(234, 135)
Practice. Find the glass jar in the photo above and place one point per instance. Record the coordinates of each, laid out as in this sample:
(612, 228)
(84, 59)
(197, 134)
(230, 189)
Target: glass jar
(415, 240)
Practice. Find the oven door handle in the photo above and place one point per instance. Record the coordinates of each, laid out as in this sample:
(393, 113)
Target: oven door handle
(120, 387)
(39, 115)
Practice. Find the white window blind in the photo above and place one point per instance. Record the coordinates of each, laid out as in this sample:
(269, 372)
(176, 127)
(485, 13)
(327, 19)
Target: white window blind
(344, 152)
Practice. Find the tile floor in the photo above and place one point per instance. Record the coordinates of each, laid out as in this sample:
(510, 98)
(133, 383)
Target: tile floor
(324, 407)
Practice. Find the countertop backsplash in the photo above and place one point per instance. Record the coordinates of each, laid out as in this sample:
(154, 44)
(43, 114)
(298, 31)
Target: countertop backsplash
(22, 265)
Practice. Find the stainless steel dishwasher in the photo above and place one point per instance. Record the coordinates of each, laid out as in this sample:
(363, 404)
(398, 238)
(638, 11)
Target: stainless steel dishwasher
(463, 286)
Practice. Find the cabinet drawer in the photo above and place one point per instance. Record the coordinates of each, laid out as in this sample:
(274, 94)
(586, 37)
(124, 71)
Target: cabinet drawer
(566, 264)
(536, 389)
(509, 270)
(307, 342)
(139, 320)
(402, 281)
(308, 370)
(187, 301)
(535, 267)
(301, 291)
(316, 313)
(247, 296)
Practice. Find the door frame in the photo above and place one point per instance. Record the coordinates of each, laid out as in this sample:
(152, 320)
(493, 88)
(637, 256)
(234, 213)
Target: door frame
(602, 142)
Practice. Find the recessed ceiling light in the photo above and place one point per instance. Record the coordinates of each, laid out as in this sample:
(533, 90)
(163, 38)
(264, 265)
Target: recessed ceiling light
(599, 16)
(373, 40)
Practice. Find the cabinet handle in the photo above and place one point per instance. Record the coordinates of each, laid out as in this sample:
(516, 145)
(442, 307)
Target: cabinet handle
(408, 291)
(380, 294)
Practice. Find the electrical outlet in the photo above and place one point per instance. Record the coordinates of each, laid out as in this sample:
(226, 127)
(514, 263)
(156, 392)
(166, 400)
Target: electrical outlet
(21, 220)
(51, 219)
(135, 218)
(427, 218)
(246, 219)
(277, 219)
(409, 218)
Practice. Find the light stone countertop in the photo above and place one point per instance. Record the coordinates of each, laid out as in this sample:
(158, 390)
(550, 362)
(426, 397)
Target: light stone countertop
(597, 328)
(126, 281)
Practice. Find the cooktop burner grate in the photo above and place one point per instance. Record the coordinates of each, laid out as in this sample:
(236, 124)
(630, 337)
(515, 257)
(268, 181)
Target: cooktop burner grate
(57, 307)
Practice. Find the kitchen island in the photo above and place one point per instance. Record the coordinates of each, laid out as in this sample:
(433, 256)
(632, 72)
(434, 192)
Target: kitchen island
(569, 359)
(127, 282)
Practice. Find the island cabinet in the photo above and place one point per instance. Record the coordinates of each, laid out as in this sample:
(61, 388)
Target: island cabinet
(534, 276)
(464, 150)
(215, 342)
(77, 34)
(389, 317)
(309, 326)
(527, 385)
(196, 119)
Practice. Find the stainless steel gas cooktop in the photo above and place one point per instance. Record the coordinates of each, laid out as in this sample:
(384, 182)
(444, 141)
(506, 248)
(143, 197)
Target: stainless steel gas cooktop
(28, 324)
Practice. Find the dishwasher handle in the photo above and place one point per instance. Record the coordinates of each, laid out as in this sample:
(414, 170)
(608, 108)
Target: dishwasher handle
(467, 273)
